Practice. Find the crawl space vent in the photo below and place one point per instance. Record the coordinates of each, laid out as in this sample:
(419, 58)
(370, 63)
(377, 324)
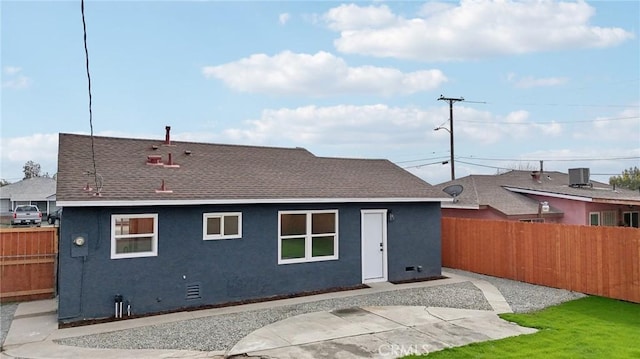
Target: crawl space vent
(193, 291)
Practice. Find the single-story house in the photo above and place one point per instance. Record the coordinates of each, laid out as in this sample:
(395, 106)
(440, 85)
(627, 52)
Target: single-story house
(539, 196)
(39, 191)
(162, 225)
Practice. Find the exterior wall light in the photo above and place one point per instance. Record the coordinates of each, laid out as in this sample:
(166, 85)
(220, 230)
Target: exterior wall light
(390, 216)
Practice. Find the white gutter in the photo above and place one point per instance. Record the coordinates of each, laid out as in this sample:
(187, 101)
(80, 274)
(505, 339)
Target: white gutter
(186, 202)
(549, 194)
(456, 206)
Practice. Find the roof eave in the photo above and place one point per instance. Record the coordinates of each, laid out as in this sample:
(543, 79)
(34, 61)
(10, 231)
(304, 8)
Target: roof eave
(182, 202)
(452, 205)
(548, 194)
(629, 202)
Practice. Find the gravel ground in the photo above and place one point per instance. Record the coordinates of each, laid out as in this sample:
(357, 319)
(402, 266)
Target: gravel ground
(7, 310)
(221, 332)
(524, 297)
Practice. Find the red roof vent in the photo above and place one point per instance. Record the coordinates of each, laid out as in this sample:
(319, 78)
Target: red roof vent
(163, 189)
(170, 164)
(154, 160)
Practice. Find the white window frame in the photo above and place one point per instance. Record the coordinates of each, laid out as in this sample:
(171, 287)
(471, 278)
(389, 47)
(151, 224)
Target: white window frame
(221, 215)
(153, 236)
(597, 214)
(630, 214)
(308, 236)
(609, 218)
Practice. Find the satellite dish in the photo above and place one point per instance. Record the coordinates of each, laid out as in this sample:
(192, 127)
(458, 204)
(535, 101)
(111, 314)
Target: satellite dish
(453, 190)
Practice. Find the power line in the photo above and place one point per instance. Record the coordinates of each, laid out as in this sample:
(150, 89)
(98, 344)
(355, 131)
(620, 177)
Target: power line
(479, 165)
(551, 122)
(427, 164)
(459, 159)
(576, 159)
(423, 159)
(86, 56)
(574, 105)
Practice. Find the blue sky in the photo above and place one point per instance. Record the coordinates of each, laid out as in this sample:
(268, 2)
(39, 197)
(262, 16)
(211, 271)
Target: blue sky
(560, 81)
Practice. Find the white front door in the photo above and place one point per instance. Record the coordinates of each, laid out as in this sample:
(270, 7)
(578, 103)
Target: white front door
(374, 245)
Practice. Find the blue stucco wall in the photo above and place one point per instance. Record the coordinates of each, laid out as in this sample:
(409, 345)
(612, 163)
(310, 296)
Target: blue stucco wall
(226, 270)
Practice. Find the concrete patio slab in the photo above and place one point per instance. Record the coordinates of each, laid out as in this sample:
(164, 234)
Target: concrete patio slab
(404, 316)
(30, 329)
(494, 328)
(452, 335)
(368, 319)
(36, 308)
(401, 330)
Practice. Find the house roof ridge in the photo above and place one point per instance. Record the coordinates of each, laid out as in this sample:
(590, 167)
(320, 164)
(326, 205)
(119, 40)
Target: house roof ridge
(160, 140)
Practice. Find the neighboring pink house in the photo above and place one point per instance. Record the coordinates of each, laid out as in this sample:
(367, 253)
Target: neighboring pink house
(543, 197)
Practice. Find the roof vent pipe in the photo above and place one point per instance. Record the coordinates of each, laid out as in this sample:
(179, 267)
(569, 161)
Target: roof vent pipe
(163, 188)
(167, 136)
(170, 164)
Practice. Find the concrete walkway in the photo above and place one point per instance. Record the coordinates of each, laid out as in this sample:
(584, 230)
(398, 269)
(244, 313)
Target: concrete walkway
(367, 332)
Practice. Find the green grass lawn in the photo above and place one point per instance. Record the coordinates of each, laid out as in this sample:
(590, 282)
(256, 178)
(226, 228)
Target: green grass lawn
(591, 327)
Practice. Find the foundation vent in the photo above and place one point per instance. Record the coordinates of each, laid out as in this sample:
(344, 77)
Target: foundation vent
(193, 291)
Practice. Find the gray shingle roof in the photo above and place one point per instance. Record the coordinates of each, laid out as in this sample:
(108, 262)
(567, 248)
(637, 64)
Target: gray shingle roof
(503, 192)
(215, 173)
(31, 189)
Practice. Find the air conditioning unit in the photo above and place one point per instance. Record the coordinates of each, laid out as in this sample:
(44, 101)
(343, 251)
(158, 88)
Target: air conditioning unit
(578, 177)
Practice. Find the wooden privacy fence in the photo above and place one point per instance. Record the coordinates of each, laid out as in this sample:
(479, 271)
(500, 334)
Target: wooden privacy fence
(28, 259)
(602, 261)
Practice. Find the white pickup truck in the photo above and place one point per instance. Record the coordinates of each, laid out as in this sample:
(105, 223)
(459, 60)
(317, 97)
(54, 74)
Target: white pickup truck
(27, 214)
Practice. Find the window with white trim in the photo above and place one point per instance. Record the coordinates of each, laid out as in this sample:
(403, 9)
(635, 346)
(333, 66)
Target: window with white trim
(608, 218)
(594, 218)
(221, 225)
(134, 235)
(307, 236)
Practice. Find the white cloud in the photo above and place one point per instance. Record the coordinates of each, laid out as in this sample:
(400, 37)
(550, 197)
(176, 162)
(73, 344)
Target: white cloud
(623, 127)
(530, 81)
(13, 79)
(336, 125)
(284, 18)
(485, 128)
(321, 74)
(470, 30)
(41, 148)
(11, 70)
(354, 17)
(381, 125)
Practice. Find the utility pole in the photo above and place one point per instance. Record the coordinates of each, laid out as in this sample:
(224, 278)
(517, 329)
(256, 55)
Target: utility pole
(451, 101)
